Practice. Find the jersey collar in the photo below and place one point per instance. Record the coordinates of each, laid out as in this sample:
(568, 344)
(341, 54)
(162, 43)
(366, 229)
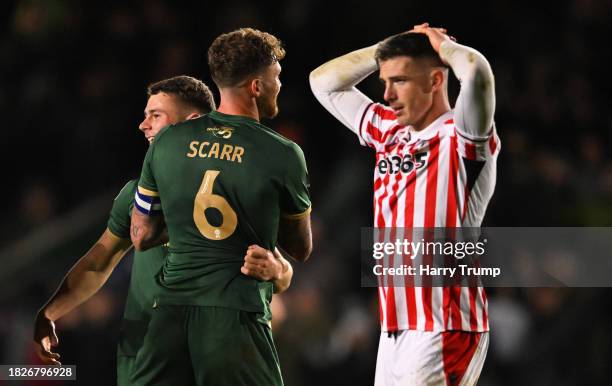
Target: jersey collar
(432, 129)
(231, 117)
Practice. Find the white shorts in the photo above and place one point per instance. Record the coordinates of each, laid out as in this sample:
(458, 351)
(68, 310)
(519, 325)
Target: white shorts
(430, 358)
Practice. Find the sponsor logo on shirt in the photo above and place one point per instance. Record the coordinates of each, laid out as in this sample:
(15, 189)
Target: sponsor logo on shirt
(221, 132)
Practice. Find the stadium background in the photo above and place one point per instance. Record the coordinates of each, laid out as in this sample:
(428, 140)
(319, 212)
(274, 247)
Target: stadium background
(72, 90)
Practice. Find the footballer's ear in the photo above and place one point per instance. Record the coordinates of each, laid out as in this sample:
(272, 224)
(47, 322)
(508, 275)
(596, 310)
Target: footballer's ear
(437, 79)
(255, 87)
(193, 115)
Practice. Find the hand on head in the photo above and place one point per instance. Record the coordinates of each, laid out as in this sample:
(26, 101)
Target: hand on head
(436, 35)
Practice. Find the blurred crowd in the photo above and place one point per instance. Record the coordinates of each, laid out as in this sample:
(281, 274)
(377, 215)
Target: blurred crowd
(72, 89)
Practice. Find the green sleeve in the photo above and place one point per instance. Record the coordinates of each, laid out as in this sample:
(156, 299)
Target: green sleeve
(295, 198)
(120, 215)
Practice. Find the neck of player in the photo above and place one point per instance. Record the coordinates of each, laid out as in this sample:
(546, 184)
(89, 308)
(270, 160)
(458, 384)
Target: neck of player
(439, 106)
(235, 101)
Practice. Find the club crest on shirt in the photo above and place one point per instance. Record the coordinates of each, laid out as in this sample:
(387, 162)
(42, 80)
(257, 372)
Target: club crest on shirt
(404, 134)
(401, 135)
(221, 132)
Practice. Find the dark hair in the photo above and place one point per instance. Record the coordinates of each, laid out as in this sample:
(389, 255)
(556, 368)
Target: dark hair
(190, 91)
(233, 56)
(414, 45)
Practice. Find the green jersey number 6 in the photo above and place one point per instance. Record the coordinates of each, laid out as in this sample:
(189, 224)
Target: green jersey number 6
(205, 199)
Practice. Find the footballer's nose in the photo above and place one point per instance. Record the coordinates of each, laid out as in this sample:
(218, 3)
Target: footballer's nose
(389, 94)
(144, 125)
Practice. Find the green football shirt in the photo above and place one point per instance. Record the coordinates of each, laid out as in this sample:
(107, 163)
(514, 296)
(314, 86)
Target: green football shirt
(145, 267)
(223, 181)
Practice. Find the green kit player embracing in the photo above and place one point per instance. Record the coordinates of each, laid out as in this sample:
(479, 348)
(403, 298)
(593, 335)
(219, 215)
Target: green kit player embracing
(169, 101)
(220, 183)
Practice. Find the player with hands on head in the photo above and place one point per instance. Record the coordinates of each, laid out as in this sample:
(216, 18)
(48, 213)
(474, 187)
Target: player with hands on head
(429, 335)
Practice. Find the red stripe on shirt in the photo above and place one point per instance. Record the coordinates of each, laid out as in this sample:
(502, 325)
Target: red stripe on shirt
(391, 311)
(384, 113)
(394, 194)
(455, 303)
(473, 318)
(377, 183)
(449, 300)
(374, 132)
(408, 224)
(432, 183)
(382, 295)
(451, 222)
(383, 138)
(380, 221)
(381, 315)
(453, 194)
(485, 319)
(431, 191)
(391, 131)
(391, 308)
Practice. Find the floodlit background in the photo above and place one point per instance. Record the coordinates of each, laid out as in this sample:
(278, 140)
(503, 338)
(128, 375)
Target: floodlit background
(72, 89)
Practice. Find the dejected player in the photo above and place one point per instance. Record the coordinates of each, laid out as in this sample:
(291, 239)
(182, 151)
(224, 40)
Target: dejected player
(169, 101)
(430, 336)
(221, 182)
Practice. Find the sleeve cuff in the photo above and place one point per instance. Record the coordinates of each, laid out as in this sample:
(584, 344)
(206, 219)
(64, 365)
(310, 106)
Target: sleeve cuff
(474, 138)
(298, 215)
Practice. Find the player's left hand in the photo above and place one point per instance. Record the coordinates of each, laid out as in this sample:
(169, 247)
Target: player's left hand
(436, 35)
(261, 264)
(45, 339)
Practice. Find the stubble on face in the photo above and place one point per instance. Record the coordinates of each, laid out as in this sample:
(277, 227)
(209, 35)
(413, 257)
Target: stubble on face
(267, 102)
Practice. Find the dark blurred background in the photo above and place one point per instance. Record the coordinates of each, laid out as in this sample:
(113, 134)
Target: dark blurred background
(72, 90)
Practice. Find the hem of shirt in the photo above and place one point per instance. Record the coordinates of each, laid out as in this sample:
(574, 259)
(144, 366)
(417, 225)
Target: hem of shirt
(160, 301)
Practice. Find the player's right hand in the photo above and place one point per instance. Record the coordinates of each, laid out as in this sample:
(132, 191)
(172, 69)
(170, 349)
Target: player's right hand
(261, 264)
(45, 338)
(436, 35)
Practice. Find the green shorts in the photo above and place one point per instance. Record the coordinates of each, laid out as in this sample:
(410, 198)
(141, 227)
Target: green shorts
(131, 338)
(199, 345)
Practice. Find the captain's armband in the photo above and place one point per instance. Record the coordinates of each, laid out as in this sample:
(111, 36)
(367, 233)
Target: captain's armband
(147, 201)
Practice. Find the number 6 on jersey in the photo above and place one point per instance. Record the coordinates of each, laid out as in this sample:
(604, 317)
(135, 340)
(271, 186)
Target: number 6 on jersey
(205, 199)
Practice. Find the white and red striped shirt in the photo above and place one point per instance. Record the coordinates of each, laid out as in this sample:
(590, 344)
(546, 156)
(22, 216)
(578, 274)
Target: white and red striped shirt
(442, 176)
(448, 184)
